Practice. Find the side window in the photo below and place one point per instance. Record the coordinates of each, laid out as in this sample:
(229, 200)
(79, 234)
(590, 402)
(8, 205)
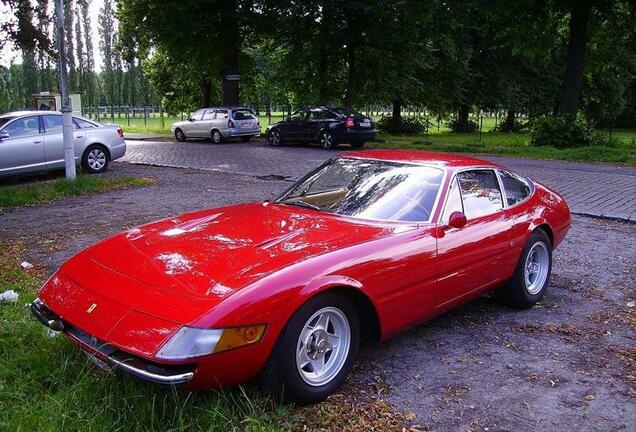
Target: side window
(52, 123)
(83, 124)
(197, 115)
(209, 115)
(480, 192)
(315, 115)
(221, 114)
(453, 202)
(23, 127)
(516, 187)
(298, 116)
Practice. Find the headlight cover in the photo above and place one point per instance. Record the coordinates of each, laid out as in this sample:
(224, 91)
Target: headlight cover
(191, 342)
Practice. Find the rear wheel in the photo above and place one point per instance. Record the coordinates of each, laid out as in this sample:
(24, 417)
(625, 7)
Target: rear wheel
(216, 136)
(532, 275)
(315, 352)
(95, 159)
(327, 140)
(179, 135)
(274, 138)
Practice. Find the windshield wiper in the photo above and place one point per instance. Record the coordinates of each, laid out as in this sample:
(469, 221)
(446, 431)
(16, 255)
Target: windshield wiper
(302, 204)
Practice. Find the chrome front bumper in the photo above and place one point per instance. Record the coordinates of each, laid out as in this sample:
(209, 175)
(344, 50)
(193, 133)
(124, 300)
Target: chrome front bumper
(141, 368)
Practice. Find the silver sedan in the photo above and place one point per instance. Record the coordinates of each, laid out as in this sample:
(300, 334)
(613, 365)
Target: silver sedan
(218, 124)
(32, 141)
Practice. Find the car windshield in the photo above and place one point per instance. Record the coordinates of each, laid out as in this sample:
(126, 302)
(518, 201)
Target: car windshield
(368, 189)
(5, 120)
(242, 115)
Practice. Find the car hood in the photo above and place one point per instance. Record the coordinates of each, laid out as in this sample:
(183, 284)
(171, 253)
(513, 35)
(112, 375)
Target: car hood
(148, 281)
(216, 252)
(180, 123)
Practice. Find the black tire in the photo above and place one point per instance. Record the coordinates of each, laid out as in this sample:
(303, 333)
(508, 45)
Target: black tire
(327, 140)
(357, 144)
(274, 138)
(246, 138)
(515, 292)
(216, 136)
(179, 135)
(281, 377)
(95, 159)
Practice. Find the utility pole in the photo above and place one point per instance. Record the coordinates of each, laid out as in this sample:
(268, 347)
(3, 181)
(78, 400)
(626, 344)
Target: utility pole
(67, 118)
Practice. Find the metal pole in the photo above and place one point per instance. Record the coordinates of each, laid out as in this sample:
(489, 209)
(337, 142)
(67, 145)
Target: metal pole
(67, 117)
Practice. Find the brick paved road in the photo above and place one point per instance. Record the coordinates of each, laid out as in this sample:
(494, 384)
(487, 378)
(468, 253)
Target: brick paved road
(597, 190)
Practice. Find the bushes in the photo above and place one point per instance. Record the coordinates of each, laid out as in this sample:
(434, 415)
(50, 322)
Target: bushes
(408, 125)
(462, 126)
(561, 132)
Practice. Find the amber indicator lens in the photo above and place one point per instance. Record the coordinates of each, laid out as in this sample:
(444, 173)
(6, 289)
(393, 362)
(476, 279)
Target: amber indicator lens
(239, 336)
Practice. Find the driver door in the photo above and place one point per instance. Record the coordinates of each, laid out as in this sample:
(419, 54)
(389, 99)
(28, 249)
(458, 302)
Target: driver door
(22, 148)
(472, 258)
(294, 126)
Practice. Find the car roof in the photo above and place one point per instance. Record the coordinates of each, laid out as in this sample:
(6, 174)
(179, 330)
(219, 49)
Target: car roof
(443, 160)
(22, 113)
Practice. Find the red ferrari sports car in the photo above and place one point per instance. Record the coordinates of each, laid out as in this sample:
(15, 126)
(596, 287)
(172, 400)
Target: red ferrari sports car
(366, 245)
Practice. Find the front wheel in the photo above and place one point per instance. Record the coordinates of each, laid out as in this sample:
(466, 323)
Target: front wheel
(327, 140)
(179, 135)
(95, 159)
(532, 275)
(315, 352)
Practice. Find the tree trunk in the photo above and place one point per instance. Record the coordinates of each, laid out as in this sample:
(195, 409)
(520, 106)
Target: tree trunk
(580, 16)
(397, 111)
(205, 90)
(510, 117)
(351, 75)
(323, 97)
(462, 114)
(231, 36)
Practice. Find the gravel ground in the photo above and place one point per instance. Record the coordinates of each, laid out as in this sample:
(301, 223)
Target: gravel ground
(567, 364)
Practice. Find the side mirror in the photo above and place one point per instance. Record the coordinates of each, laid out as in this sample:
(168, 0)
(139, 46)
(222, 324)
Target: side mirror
(190, 118)
(4, 135)
(457, 220)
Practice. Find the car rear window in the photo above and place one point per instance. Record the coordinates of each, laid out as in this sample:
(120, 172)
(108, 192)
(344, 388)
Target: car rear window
(516, 187)
(83, 124)
(242, 115)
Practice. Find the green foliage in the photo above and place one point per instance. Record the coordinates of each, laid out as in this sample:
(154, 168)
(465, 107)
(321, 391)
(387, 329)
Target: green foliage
(462, 126)
(407, 125)
(562, 132)
(12, 196)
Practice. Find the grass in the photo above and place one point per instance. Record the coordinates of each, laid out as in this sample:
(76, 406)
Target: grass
(12, 196)
(47, 384)
(622, 149)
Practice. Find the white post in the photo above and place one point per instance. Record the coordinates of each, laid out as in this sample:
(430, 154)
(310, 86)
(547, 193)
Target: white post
(67, 118)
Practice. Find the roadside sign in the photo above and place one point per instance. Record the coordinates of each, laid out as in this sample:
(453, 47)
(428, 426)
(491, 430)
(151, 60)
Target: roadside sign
(234, 77)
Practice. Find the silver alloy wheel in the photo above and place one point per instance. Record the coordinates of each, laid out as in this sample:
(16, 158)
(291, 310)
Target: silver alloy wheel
(216, 136)
(536, 268)
(274, 138)
(326, 140)
(323, 346)
(96, 159)
(180, 135)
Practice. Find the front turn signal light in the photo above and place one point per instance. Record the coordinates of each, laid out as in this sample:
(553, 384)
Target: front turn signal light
(239, 336)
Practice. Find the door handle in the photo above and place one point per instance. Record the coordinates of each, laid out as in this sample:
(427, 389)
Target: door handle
(79, 136)
(38, 141)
